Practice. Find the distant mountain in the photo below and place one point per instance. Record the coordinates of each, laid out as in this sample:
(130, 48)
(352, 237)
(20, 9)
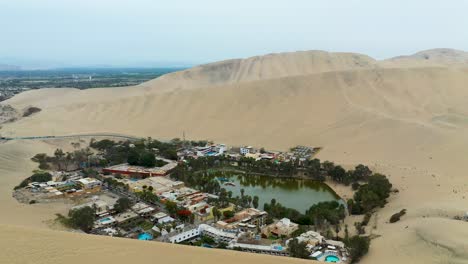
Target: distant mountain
(437, 57)
(7, 67)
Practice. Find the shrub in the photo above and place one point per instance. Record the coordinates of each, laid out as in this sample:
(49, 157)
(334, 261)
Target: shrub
(41, 177)
(122, 204)
(228, 214)
(358, 247)
(298, 249)
(355, 186)
(396, 217)
(31, 110)
(366, 219)
(82, 218)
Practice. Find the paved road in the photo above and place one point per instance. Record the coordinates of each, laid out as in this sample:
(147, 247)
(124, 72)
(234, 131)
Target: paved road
(115, 135)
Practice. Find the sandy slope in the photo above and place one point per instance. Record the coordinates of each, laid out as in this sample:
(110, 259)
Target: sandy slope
(406, 117)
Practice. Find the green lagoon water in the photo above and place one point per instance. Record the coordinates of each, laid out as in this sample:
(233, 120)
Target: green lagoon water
(299, 194)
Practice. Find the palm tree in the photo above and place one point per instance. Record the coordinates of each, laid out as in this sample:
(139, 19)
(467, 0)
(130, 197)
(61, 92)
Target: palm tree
(59, 155)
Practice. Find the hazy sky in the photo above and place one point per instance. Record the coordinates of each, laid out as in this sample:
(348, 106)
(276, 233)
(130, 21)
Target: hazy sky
(195, 31)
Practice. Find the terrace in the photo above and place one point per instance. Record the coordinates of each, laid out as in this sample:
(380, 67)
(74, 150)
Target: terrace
(129, 170)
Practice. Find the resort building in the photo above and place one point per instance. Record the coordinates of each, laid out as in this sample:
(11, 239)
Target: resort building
(183, 196)
(187, 235)
(162, 218)
(246, 150)
(142, 209)
(105, 222)
(217, 234)
(202, 151)
(202, 211)
(276, 250)
(89, 183)
(334, 243)
(255, 156)
(101, 207)
(283, 227)
(249, 219)
(251, 216)
(213, 150)
(312, 238)
(126, 218)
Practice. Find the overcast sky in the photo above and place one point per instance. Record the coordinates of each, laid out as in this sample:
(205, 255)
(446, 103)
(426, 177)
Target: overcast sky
(129, 32)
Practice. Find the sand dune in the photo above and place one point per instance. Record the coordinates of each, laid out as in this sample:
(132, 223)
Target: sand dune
(406, 117)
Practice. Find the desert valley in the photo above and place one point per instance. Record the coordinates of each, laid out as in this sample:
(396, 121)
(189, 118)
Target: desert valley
(405, 117)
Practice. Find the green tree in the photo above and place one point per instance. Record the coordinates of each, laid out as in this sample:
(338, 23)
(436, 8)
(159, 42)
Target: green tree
(171, 207)
(41, 177)
(122, 204)
(255, 202)
(362, 172)
(133, 157)
(216, 213)
(298, 249)
(228, 214)
(82, 218)
(357, 247)
(59, 156)
(147, 159)
(338, 173)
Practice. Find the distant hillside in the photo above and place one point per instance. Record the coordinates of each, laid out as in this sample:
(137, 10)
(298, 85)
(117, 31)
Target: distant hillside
(7, 67)
(432, 57)
(269, 66)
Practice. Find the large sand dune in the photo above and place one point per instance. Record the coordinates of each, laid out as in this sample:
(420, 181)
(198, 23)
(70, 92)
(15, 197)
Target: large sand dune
(406, 117)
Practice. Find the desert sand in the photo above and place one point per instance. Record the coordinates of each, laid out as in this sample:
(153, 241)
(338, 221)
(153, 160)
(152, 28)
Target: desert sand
(406, 117)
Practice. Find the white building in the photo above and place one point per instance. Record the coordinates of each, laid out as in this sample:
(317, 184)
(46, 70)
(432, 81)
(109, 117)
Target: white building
(277, 250)
(142, 209)
(214, 150)
(283, 227)
(310, 237)
(88, 183)
(220, 149)
(162, 218)
(187, 235)
(246, 150)
(216, 234)
(202, 151)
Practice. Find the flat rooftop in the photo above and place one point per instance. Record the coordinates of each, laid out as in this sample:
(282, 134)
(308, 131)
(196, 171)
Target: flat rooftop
(125, 216)
(125, 167)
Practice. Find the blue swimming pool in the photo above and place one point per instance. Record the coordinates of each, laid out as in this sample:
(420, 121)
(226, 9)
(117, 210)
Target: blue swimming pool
(104, 219)
(332, 259)
(145, 236)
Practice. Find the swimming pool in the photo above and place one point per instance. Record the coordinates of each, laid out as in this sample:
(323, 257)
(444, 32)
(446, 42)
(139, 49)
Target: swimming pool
(331, 258)
(145, 236)
(104, 219)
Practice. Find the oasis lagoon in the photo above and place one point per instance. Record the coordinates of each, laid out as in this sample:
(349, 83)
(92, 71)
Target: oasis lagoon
(299, 194)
